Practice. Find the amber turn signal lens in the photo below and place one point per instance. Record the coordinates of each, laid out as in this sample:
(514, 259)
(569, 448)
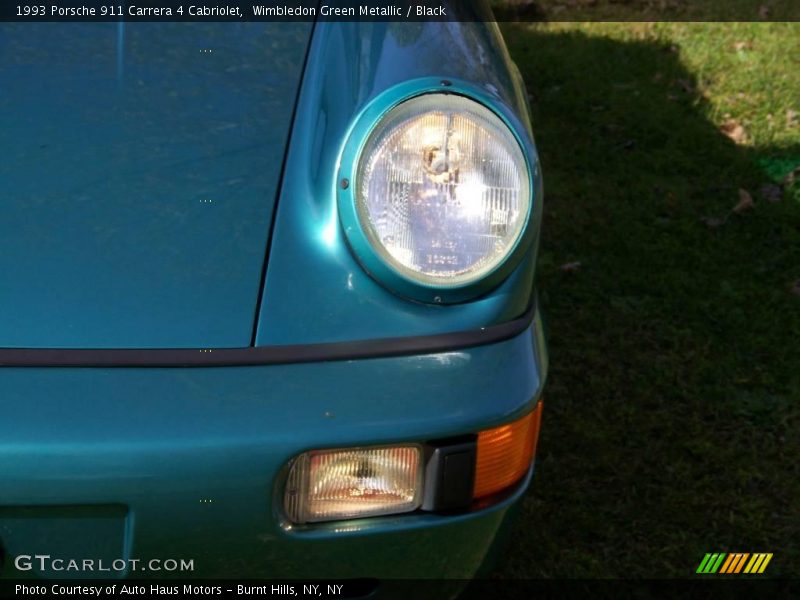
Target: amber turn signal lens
(505, 453)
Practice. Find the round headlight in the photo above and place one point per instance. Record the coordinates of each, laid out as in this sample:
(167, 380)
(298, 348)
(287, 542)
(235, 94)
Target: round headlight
(442, 190)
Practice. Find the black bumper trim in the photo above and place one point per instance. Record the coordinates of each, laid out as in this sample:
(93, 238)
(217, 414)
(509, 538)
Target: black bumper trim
(263, 355)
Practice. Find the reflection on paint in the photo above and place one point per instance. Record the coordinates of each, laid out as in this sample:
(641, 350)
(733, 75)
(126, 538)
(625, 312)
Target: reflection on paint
(443, 358)
(330, 232)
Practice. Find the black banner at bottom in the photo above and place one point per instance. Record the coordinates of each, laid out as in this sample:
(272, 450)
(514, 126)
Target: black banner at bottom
(706, 587)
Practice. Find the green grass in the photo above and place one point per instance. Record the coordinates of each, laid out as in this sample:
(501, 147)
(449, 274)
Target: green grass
(672, 409)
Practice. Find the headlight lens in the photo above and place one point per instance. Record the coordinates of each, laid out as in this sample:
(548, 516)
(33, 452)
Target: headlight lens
(442, 190)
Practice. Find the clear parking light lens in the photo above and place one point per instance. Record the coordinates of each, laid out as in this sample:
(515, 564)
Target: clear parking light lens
(327, 485)
(442, 190)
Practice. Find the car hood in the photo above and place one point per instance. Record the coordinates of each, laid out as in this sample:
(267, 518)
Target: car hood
(139, 172)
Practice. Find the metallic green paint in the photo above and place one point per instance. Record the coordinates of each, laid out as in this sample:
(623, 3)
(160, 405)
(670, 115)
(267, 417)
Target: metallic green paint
(138, 179)
(198, 456)
(316, 290)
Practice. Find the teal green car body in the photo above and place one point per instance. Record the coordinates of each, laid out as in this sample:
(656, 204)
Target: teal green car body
(187, 460)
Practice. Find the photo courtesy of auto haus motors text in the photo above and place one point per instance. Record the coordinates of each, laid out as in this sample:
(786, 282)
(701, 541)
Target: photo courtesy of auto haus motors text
(126, 590)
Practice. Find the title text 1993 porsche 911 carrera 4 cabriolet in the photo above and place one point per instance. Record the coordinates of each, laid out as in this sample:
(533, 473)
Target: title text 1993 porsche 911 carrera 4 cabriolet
(266, 297)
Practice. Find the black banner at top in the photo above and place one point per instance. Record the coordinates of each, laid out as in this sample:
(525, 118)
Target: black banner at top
(34, 11)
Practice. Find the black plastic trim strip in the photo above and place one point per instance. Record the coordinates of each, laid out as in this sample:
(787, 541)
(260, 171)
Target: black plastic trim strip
(263, 355)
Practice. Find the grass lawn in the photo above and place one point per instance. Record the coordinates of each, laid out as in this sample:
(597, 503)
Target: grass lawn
(672, 409)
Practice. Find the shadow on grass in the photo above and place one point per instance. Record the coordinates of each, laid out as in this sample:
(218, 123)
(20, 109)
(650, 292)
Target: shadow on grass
(671, 411)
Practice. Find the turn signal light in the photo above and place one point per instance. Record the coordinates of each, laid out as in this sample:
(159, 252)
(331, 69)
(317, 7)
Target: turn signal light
(505, 453)
(349, 483)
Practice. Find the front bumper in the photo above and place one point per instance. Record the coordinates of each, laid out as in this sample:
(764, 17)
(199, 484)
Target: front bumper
(192, 459)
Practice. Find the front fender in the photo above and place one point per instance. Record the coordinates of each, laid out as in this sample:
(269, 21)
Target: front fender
(315, 290)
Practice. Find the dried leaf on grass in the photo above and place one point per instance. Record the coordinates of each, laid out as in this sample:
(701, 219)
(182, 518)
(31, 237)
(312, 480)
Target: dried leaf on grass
(745, 201)
(734, 130)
